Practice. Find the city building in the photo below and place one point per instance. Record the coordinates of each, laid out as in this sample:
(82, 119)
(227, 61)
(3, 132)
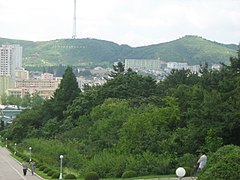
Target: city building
(143, 64)
(8, 113)
(45, 86)
(22, 74)
(10, 61)
(5, 83)
(177, 65)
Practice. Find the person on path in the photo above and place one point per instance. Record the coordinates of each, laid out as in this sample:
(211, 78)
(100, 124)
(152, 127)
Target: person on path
(24, 166)
(202, 161)
(32, 166)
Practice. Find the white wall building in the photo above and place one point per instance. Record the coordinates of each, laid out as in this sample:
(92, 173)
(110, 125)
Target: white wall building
(10, 59)
(177, 65)
(149, 64)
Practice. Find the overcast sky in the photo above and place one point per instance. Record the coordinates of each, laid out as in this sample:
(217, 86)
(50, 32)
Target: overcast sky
(132, 22)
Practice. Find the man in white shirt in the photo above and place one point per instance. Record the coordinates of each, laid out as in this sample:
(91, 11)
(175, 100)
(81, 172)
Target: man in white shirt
(202, 161)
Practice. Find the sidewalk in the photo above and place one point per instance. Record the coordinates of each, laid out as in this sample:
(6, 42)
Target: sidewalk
(10, 169)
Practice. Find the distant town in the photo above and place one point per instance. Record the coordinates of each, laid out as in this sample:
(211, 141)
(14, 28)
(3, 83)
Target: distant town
(16, 81)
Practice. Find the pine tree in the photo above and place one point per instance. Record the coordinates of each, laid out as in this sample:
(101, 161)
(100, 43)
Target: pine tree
(68, 90)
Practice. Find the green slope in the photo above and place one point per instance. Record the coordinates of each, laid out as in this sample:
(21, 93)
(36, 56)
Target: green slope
(87, 52)
(191, 49)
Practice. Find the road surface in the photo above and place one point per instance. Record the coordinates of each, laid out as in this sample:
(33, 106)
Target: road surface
(10, 169)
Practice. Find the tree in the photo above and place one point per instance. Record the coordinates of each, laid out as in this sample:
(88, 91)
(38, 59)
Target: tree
(235, 62)
(129, 85)
(177, 77)
(36, 100)
(68, 90)
(118, 69)
(26, 101)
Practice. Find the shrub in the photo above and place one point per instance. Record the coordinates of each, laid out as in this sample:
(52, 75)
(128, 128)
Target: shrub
(189, 171)
(55, 175)
(187, 160)
(129, 174)
(50, 173)
(149, 163)
(70, 176)
(223, 164)
(38, 164)
(46, 170)
(41, 168)
(91, 176)
(106, 164)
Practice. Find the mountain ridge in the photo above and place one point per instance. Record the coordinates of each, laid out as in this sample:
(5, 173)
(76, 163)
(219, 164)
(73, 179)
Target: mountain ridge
(95, 52)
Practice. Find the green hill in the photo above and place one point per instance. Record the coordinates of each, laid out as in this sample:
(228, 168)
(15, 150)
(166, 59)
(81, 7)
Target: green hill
(92, 52)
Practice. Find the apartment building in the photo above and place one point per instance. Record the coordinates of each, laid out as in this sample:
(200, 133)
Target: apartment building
(45, 86)
(5, 83)
(150, 64)
(10, 61)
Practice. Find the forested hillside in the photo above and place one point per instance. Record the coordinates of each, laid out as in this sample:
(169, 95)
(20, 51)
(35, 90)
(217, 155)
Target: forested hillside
(93, 52)
(132, 123)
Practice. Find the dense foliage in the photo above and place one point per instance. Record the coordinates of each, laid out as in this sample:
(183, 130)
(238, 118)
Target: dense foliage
(224, 164)
(133, 123)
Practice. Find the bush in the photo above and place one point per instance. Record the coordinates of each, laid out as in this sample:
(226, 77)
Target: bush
(55, 175)
(46, 170)
(38, 164)
(91, 176)
(223, 164)
(70, 176)
(150, 163)
(41, 168)
(129, 174)
(189, 171)
(106, 164)
(187, 160)
(50, 173)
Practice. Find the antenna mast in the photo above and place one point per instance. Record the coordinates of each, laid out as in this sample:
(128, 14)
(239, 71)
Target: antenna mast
(74, 21)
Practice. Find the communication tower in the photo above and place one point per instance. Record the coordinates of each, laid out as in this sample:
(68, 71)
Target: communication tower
(74, 35)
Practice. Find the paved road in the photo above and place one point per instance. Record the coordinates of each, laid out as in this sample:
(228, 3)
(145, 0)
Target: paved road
(10, 169)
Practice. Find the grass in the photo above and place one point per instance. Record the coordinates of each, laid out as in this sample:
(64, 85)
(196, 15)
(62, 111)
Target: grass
(143, 177)
(44, 176)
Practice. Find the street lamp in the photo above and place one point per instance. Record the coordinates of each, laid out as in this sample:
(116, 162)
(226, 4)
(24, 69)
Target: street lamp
(61, 157)
(180, 172)
(0, 138)
(6, 142)
(30, 148)
(15, 148)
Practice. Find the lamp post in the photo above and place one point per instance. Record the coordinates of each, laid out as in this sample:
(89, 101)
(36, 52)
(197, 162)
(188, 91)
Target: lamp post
(0, 138)
(61, 157)
(180, 172)
(30, 151)
(6, 142)
(15, 148)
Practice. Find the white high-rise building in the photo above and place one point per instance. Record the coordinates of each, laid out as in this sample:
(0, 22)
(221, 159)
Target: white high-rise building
(10, 61)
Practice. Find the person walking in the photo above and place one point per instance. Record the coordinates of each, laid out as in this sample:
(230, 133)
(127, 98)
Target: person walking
(24, 166)
(202, 161)
(32, 166)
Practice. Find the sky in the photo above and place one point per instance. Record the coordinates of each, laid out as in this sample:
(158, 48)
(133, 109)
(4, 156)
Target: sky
(132, 22)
